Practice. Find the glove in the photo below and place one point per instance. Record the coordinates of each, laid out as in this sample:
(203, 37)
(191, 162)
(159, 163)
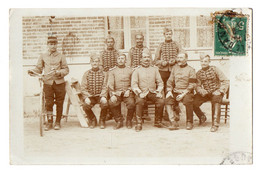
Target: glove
(169, 94)
(113, 99)
(127, 93)
(87, 101)
(103, 100)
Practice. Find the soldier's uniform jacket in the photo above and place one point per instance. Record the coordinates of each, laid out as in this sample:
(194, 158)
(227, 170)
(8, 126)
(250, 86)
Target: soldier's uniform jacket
(181, 78)
(146, 79)
(135, 56)
(119, 80)
(49, 61)
(109, 59)
(165, 52)
(94, 83)
(211, 79)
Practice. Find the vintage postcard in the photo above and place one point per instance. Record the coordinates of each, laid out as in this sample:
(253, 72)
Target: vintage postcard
(131, 86)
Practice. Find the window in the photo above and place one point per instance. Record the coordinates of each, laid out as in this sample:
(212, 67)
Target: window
(204, 31)
(181, 30)
(123, 29)
(115, 28)
(192, 32)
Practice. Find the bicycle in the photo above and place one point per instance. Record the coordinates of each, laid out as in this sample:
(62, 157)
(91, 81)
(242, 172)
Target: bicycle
(42, 112)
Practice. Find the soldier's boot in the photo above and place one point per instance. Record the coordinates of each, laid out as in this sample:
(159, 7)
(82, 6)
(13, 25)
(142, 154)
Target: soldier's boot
(119, 124)
(146, 116)
(166, 115)
(215, 118)
(200, 114)
(171, 115)
(49, 124)
(93, 123)
(203, 119)
(189, 116)
(138, 126)
(129, 118)
(57, 126)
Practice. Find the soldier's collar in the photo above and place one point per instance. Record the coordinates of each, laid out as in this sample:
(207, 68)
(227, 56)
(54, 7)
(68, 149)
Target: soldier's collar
(182, 66)
(95, 69)
(168, 41)
(139, 46)
(53, 53)
(205, 69)
(110, 49)
(121, 66)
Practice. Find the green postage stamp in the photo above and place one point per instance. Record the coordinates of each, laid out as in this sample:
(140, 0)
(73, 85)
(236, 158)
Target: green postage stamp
(230, 34)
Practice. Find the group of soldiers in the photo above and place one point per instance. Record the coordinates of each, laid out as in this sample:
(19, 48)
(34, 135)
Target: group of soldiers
(115, 78)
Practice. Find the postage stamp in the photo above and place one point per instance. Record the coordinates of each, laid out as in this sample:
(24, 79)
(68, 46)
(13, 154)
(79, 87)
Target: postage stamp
(230, 34)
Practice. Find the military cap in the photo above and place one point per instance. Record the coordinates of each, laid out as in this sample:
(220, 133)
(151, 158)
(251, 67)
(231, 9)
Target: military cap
(52, 39)
(166, 30)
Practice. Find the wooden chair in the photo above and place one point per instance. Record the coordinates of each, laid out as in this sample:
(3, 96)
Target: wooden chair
(225, 108)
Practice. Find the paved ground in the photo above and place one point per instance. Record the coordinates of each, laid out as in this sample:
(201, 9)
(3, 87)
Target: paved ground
(75, 145)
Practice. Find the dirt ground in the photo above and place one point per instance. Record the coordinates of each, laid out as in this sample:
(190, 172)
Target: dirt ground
(75, 145)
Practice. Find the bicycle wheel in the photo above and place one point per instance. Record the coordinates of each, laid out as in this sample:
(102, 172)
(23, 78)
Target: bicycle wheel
(42, 112)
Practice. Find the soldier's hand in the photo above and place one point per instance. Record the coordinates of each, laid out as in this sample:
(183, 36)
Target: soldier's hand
(113, 99)
(87, 101)
(164, 63)
(127, 93)
(57, 73)
(203, 92)
(103, 100)
(142, 95)
(169, 94)
(180, 97)
(216, 92)
(172, 62)
(159, 95)
(30, 72)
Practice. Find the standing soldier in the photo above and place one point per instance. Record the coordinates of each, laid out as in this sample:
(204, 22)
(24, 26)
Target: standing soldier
(147, 84)
(212, 84)
(180, 86)
(119, 86)
(109, 55)
(135, 53)
(165, 57)
(109, 60)
(134, 58)
(55, 68)
(94, 91)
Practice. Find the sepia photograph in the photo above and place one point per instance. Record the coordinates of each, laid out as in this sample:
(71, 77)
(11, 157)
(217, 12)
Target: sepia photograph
(131, 86)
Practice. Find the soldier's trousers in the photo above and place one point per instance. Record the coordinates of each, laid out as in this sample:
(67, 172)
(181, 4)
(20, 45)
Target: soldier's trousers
(116, 107)
(88, 108)
(199, 100)
(188, 103)
(159, 104)
(54, 94)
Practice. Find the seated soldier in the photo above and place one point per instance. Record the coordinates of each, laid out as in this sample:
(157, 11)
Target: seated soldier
(147, 84)
(180, 86)
(94, 91)
(119, 86)
(212, 84)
